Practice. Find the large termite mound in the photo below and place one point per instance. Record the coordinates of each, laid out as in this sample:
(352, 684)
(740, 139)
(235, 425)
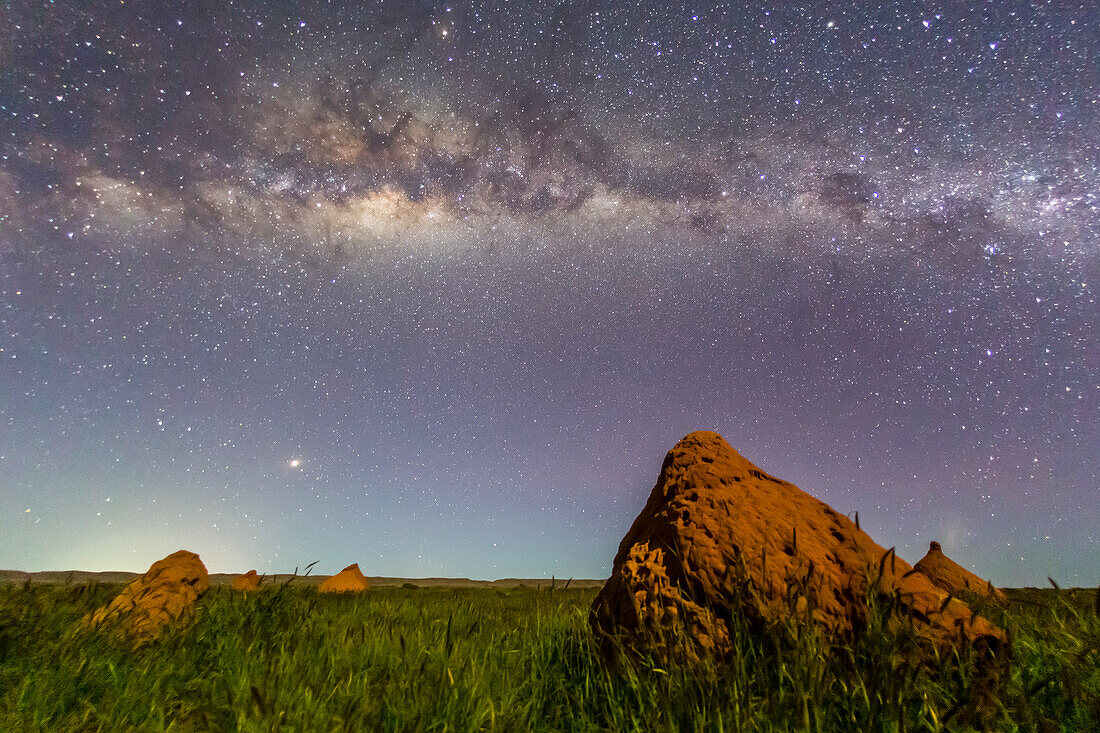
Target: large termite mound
(719, 537)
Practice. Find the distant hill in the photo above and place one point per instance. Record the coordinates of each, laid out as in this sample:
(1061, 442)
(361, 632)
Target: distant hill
(81, 576)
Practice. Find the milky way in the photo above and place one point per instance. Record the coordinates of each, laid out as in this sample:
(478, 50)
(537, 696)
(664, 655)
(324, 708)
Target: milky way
(433, 288)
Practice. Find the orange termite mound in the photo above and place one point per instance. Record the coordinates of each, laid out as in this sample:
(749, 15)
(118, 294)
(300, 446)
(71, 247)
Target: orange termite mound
(348, 580)
(719, 537)
(952, 577)
(247, 582)
(162, 595)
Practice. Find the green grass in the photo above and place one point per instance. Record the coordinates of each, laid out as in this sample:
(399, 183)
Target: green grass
(405, 659)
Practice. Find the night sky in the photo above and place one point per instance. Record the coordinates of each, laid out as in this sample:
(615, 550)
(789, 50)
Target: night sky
(433, 288)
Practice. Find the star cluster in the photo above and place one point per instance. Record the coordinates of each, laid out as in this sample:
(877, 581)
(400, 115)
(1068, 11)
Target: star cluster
(434, 287)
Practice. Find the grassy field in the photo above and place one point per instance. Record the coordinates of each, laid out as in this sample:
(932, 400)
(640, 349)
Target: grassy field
(407, 659)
